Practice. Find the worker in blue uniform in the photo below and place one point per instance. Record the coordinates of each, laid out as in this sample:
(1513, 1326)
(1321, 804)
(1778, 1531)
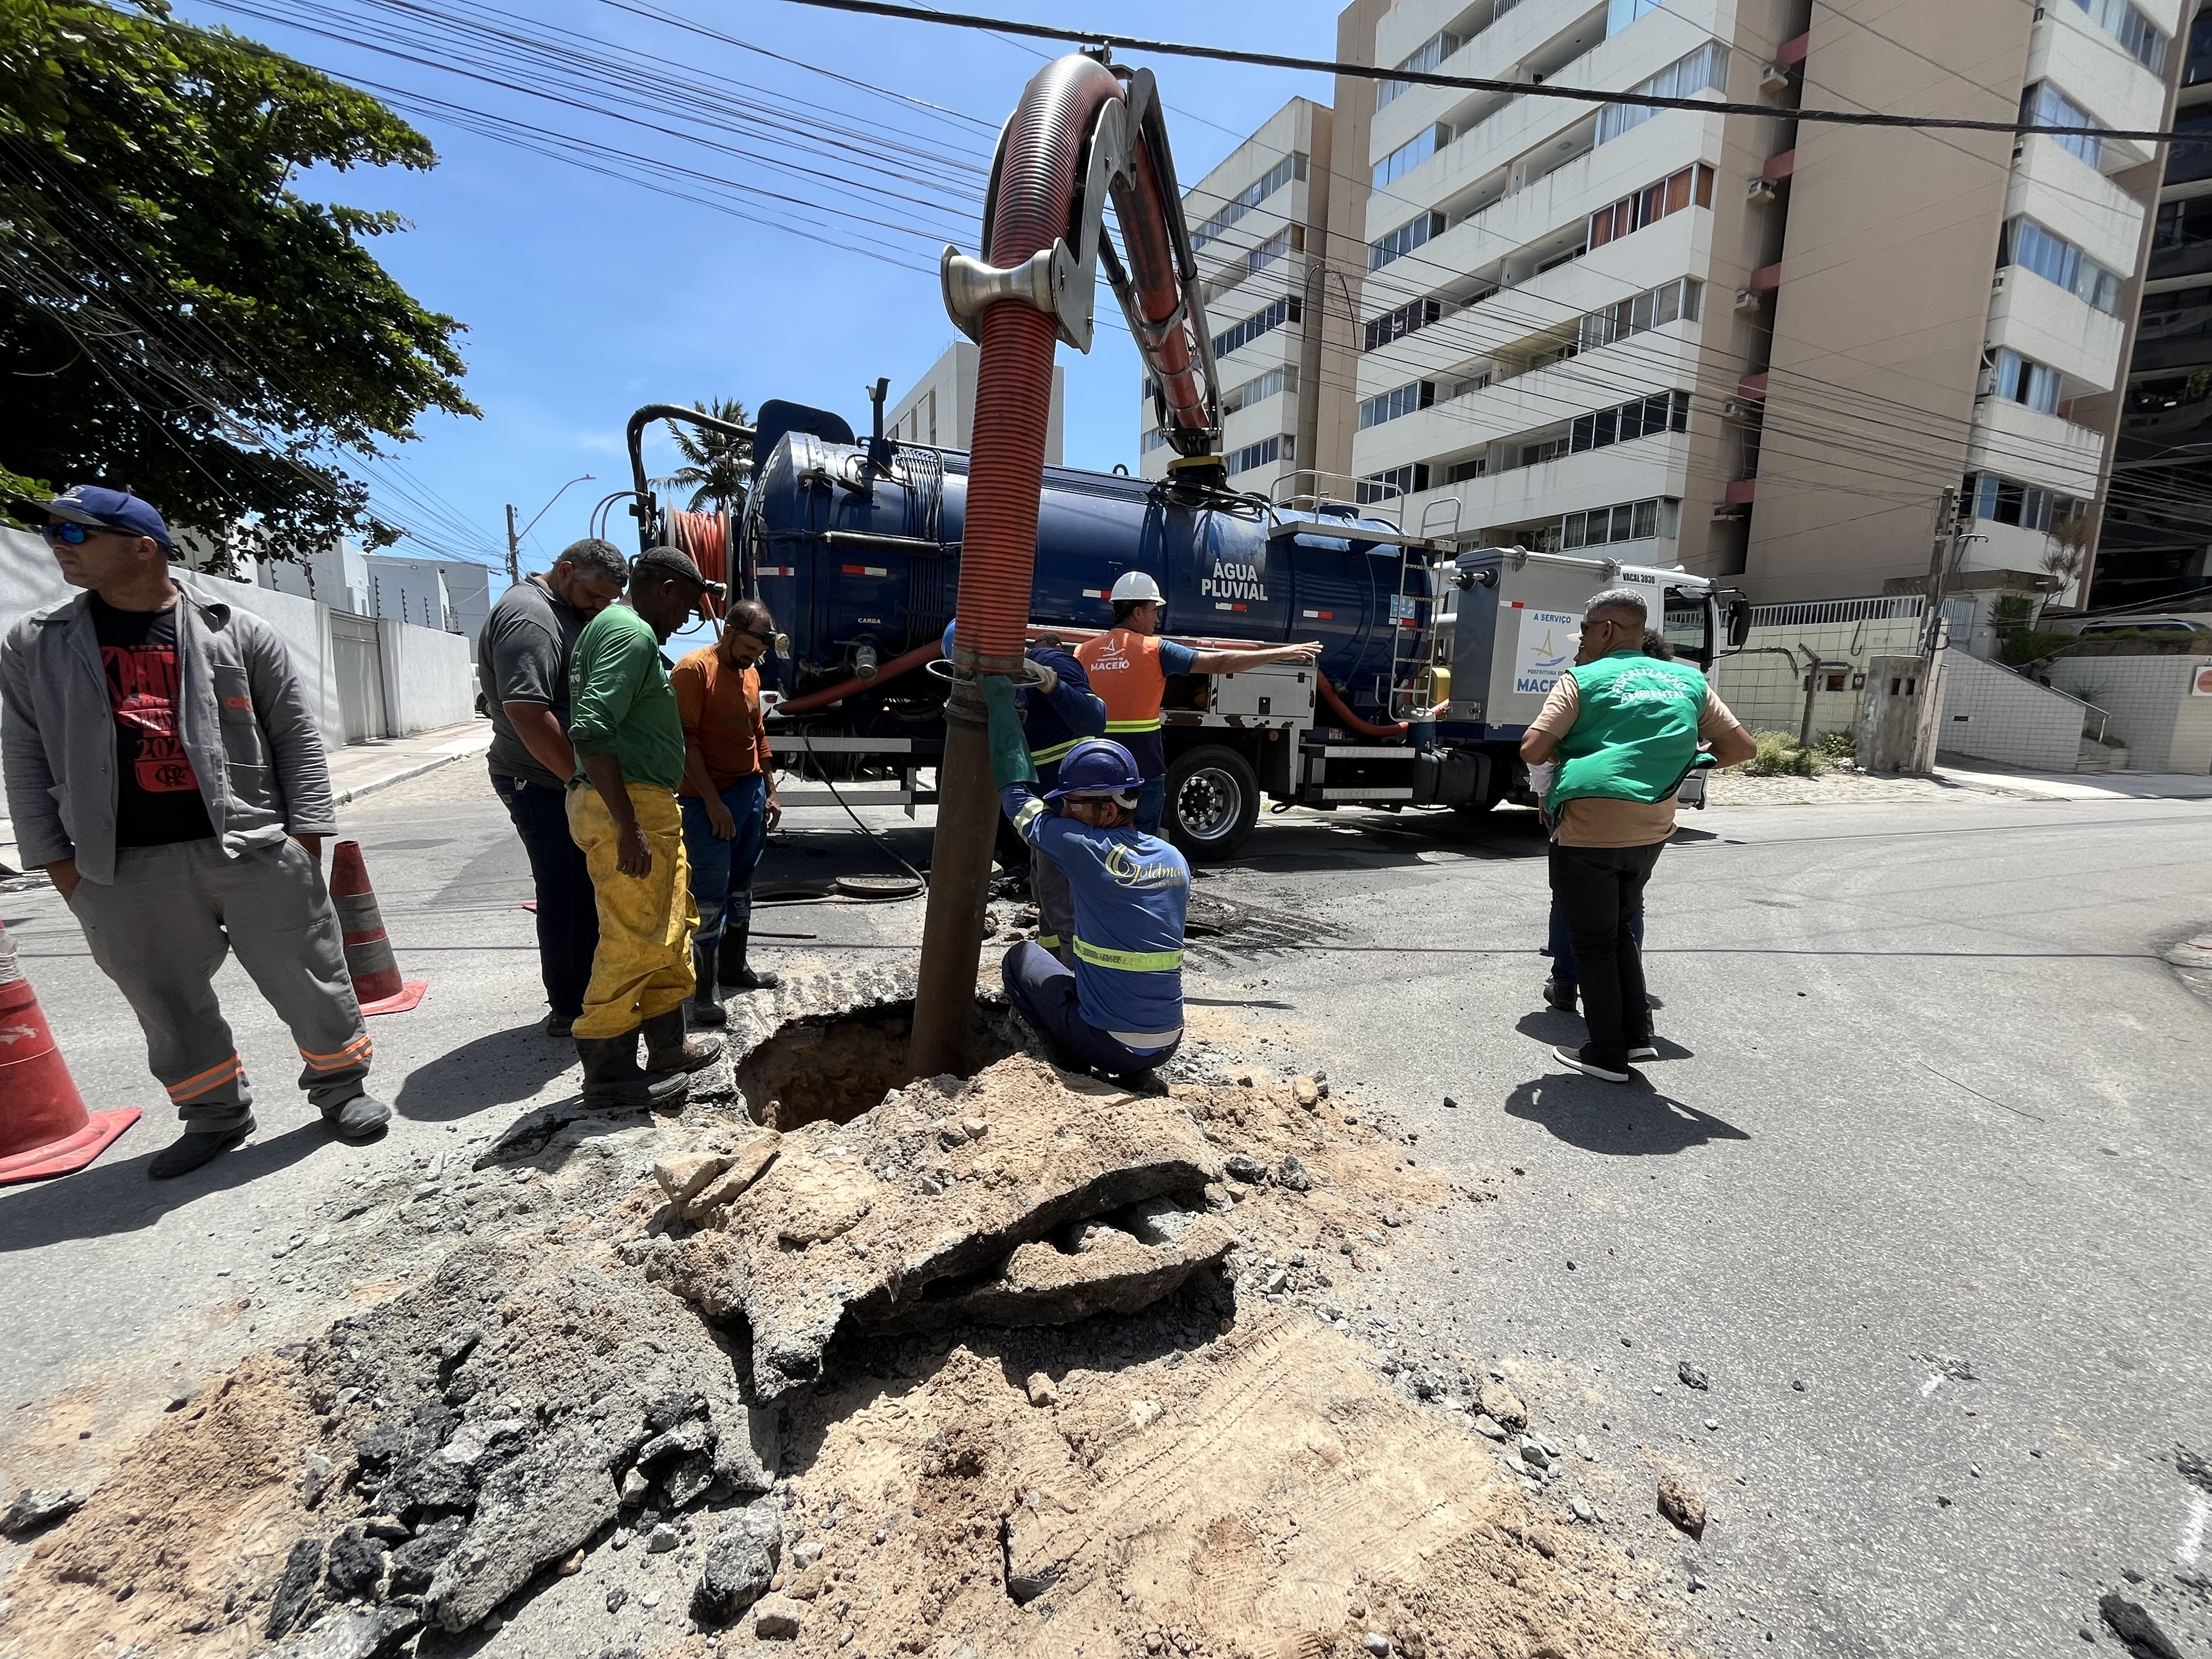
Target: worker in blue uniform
(1119, 1009)
(1057, 711)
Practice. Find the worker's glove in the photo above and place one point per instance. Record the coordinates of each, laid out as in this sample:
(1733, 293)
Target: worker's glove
(1010, 750)
(1540, 778)
(1046, 681)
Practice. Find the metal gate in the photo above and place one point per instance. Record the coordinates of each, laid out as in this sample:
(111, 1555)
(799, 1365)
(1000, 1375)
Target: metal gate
(359, 676)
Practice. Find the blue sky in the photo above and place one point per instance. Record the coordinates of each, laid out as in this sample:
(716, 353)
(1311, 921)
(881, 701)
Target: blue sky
(585, 296)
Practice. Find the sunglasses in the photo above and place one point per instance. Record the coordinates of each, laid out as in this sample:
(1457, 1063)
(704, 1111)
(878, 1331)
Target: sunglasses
(75, 535)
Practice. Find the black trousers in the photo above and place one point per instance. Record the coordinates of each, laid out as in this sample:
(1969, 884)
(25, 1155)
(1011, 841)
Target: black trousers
(1600, 890)
(567, 913)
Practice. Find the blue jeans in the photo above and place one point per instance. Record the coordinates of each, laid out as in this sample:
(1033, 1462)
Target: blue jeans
(722, 870)
(567, 911)
(1564, 971)
(1151, 805)
(1043, 994)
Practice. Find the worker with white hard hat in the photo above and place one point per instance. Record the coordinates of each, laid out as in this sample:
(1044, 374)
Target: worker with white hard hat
(1129, 664)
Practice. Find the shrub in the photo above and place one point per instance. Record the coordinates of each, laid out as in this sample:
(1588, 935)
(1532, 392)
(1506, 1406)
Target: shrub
(1779, 756)
(2019, 649)
(1838, 746)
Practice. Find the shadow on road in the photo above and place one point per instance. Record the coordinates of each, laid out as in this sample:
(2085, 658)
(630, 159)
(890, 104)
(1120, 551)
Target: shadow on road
(1617, 1122)
(119, 1198)
(492, 1071)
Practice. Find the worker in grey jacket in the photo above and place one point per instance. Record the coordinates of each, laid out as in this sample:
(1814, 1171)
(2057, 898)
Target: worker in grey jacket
(162, 765)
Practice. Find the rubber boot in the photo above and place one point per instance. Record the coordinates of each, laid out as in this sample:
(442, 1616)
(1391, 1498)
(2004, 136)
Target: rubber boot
(668, 1049)
(705, 1008)
(731, 970)
(611, 1077)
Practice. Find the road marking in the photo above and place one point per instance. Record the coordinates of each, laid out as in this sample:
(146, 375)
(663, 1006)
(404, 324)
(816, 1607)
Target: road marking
(2193, 1535)
(1935, 1381)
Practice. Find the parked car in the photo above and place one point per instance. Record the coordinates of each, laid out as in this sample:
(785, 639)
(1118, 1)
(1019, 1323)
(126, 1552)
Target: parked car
(2138, 625)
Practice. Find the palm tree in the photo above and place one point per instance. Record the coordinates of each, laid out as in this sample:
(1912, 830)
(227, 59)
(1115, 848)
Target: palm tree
(716, 465)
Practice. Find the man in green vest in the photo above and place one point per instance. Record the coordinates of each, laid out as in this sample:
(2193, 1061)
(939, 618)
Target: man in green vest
(1625, 730)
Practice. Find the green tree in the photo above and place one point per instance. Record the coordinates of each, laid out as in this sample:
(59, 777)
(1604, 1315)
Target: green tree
(174, 318)
(716, 465)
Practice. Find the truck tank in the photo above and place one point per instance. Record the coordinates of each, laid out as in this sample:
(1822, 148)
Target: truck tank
(855, 549)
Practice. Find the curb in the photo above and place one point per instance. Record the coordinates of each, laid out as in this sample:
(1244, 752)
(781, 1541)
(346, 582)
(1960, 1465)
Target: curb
(402, 775)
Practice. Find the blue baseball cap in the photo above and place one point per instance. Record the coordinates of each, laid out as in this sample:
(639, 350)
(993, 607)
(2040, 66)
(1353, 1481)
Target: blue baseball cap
(103, 509)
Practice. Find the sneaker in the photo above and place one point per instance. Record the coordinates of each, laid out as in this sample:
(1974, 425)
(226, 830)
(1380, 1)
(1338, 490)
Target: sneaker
(1561, 997)
(1584, 1060)
(359, 1117)
(1643, 1051)
(188, 1151)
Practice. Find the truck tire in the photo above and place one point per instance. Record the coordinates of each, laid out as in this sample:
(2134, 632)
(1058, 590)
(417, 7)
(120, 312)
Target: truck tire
(1214, 801)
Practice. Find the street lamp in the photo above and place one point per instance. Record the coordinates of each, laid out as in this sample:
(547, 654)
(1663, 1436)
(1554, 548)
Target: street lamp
(514, 536)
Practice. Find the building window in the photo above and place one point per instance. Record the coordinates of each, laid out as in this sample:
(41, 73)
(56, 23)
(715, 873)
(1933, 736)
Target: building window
(1631, 521)
(1410, 155)
(1653, 308)
(1397, 324)
(1474, 467)
(1259, 322)
(2007, 500)
(1292, 166)
(2141, 38)
(1470, 383)
(2046, 105)
(1704, 69)
(1389, 485)
(1692, 187)
(1543, 450)
(1640, 417)
(1405, 400)
(1619, 14)
(1258, 390)
(1433, 52)
(1404, 240)
(1154, 439)
(2056, 260)
(1262, 453)
(2018, 380)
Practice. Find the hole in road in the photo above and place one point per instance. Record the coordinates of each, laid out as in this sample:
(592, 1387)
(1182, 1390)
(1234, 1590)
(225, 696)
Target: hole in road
(837, 1066)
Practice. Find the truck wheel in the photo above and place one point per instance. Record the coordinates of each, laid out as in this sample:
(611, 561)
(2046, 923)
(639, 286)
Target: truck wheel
(1214, 801)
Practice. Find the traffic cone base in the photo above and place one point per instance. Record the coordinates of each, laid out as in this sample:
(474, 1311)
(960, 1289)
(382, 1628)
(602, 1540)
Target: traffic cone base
(71, 1153)
(410, 992)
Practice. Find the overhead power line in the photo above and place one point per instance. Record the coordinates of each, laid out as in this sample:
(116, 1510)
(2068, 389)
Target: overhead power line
(1843, 118)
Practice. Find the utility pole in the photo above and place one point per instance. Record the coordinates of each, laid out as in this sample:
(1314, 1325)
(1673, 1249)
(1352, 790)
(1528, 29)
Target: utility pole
(513, 551)
(1949, 527)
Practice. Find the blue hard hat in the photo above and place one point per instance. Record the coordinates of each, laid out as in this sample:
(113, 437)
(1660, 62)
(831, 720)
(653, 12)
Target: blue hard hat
(946, 643)
(1097, 766)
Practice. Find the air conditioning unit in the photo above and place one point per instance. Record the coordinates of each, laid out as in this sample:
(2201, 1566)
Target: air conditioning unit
(1747, 299)
(1736, 409)
(1762, 189)
(1775, 77)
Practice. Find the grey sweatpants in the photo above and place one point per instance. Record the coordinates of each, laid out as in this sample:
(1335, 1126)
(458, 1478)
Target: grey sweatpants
(161, 928)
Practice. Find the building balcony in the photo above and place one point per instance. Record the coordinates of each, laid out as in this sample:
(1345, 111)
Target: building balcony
(2023, 443)
(2069, 49)
(2041, 321)
(2064, 194)
(1637, 470)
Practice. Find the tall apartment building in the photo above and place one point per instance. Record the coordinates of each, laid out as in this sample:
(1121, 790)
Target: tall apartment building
(1759, 347)
(1258, 223)
(2158, 523)
(939, 408)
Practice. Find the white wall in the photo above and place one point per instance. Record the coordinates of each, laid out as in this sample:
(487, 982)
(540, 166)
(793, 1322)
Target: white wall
(2164, 728)
(1991, 714)
(430, 677)
(1768, 695)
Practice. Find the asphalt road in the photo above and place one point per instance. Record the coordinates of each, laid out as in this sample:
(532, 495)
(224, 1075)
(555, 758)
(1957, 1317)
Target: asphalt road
(1931, 1105)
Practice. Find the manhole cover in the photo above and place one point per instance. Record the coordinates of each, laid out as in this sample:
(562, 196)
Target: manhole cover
(877, 887)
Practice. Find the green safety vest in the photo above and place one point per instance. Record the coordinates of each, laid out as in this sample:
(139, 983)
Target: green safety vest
(1635, 736)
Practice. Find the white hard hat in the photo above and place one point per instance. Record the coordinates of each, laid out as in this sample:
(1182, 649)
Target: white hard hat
(1136, 584)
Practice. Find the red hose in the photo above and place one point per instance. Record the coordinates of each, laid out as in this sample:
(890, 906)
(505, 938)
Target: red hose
(1366, 728)
(890, 671)
(1033, 196)
(1152, 271)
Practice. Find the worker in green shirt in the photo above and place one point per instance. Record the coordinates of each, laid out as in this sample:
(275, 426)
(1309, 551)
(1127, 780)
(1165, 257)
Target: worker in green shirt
(623, 812)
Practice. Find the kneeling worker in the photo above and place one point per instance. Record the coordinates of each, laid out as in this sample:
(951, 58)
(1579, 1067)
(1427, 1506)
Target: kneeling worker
(1120, 1009)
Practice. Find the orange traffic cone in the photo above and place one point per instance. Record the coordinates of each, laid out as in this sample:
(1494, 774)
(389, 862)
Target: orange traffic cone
(376, 970)
(45, 1129)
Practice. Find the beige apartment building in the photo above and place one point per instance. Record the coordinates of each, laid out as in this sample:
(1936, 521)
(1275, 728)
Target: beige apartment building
(1758, 347)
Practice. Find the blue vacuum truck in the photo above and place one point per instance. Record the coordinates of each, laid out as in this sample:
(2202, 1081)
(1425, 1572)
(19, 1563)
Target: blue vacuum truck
(1434, 659)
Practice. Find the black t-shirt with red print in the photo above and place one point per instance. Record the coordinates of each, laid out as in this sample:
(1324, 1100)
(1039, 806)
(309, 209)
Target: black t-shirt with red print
(157, 797)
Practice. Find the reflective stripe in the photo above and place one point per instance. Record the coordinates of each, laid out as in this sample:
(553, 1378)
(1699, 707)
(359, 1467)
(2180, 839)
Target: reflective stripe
(1040, 755)
(360, 1048)
(1050, 941)
(1152, 724)
(1129, 961)
(200, 1082)
(1031, 810)
(1146, 1042)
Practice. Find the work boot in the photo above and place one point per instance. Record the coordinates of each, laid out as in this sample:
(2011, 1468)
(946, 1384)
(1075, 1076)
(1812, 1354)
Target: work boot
(188, 1150)
(705, 1008)
(668, 1049)
(359, 1117)
(1559, 996)
(611, 1077)
(731, 968)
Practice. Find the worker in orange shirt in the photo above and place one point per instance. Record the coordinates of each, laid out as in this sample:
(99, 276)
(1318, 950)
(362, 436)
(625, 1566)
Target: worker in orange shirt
(728, 800)
(1128, 666)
